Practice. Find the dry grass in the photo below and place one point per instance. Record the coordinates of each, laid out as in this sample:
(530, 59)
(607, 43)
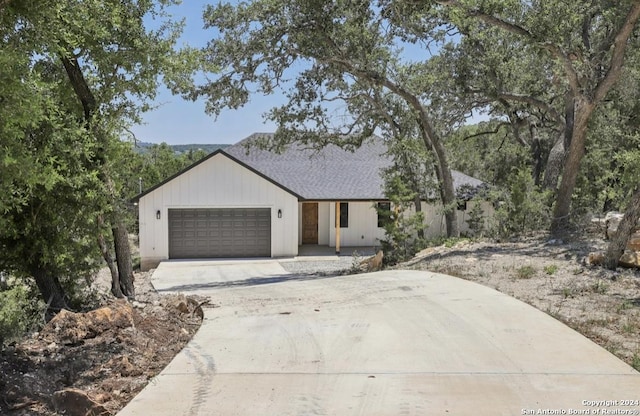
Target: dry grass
(603, 305)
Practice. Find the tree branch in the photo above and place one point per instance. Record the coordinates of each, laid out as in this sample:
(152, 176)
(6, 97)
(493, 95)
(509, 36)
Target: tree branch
(619, 48)
(484, 133)
(80, 86)
(555, 50)
(534, 102)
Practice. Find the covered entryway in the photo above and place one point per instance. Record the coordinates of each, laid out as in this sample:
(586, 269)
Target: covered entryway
(219, 232)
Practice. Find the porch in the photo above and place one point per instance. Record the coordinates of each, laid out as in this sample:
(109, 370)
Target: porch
(315, 250)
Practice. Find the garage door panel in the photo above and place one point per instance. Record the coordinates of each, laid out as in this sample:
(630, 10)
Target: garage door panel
(217, 232)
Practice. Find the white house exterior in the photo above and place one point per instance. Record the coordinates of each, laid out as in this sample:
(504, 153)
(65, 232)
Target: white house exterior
(362, 230)
(218, 182)
(247, 202)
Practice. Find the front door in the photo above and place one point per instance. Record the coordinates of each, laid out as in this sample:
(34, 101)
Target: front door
(310, 223)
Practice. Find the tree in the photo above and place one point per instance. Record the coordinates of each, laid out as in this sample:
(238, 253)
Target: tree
(333, 52)
(97, 66)
(584, 43)
(401, 222)
(625, 229)
(497, 74)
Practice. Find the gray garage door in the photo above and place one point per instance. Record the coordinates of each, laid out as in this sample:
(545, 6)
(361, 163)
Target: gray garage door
(219, 232)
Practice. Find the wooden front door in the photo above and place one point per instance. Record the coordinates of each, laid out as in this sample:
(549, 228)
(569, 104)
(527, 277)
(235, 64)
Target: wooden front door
(310, 223)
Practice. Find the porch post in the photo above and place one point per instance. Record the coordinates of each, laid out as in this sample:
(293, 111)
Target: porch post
(337, 227)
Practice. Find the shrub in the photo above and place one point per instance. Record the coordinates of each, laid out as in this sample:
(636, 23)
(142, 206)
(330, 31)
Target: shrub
(404, 228)
(476, 220)
(635, 361)
(525, 272)
(521, 208)
(18, 312)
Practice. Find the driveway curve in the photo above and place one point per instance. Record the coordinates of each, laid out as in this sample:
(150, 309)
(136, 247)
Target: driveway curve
(386, 343)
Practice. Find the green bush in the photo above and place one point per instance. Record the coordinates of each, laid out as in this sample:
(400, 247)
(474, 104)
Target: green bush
(635, 361)
(404, 228)
(521, 208)
(18, 312)
(525, 272)
(476, 220)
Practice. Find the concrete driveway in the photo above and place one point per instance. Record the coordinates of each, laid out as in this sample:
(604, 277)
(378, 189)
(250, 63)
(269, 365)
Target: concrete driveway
(386, 343)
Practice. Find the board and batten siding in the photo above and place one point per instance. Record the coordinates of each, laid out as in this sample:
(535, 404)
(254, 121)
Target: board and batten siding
(435, 221)
(363, 228)
(218, 182)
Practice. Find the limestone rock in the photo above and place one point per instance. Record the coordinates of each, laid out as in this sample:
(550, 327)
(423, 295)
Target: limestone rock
(629, 258)
(612, 221)
(71, 327)
(373, 263)
(634, 242)
(188, 305)
(76, 402)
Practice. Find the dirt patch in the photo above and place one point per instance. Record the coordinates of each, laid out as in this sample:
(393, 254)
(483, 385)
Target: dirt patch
(553, 277)
(108, 354)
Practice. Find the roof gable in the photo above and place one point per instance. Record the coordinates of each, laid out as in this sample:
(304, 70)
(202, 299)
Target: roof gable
(203, 160)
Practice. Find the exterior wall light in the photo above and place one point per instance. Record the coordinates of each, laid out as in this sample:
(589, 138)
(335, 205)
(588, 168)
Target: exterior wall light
(158, 214)
(279, 213)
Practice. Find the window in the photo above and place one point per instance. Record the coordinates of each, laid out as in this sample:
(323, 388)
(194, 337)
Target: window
(344, 215)
(384, 214)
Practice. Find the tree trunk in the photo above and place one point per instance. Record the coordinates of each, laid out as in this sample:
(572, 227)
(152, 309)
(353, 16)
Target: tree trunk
(625, 229)
(555, 161)
(50, 290)
(106, 254)
(418, 203)
(120, 235)
(443, 172)
(447, 191)
(431, 140)
(123, 258)
(562, 209)
(558, 154)
(538, 161)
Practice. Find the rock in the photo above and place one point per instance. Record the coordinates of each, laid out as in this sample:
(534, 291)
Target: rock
(374, 263)
(629, 258)
(425, 252)
(188, 305)
(76, 402)
(634, 242)
(612, 220)
(71, 328)
(138, 305)
(124, 367)
(182, 307)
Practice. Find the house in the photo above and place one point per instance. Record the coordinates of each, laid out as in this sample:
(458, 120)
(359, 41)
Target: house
(255, 203)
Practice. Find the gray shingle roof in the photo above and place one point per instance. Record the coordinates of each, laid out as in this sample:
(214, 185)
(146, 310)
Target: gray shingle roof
(330, 173)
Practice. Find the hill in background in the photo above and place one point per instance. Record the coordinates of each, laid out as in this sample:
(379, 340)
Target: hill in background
(142, 147)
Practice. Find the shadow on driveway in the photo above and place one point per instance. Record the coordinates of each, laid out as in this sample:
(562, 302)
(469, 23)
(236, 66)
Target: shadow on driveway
(256, 281)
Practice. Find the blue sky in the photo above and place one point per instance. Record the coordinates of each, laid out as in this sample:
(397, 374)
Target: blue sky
(177, 121)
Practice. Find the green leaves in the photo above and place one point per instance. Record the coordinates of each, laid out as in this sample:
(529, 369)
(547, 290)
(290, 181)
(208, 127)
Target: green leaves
(73, 76)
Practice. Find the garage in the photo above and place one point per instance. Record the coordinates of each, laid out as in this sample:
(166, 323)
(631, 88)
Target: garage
(219, 232)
